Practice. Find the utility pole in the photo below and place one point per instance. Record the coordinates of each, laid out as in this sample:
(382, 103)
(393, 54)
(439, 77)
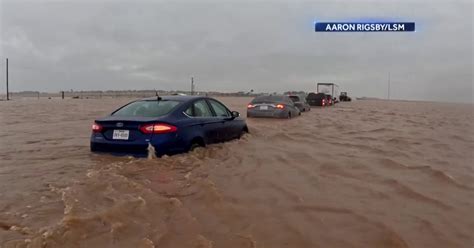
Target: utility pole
(388, 86)
(192, 86)
(8, 93)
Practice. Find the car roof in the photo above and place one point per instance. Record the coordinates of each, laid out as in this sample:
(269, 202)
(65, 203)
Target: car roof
(174, 97)
(277, 95)
(273, 97)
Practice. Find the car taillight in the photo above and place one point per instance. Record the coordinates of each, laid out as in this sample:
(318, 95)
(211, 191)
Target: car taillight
(96, 128)
(280, 106)
(158, 128)
(250, 106)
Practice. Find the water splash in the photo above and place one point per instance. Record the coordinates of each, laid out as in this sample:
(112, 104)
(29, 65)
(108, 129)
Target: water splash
(151, 152)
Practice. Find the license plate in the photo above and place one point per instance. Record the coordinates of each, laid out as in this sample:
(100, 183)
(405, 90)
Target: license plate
(263, 107)
(121, 134)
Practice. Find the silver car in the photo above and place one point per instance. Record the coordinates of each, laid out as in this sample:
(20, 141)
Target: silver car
(276, 106)
(300, 102)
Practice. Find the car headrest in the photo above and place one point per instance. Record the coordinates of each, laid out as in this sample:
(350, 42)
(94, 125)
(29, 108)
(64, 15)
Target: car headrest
(197, 112)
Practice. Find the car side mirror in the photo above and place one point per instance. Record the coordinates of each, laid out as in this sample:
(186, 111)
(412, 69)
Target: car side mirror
(235, 114)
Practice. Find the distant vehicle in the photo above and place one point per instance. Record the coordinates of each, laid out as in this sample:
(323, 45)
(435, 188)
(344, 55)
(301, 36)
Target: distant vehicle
(329, 100)
(277, 106)
(344, 97)
(300, 102)
(316, 99)
(329, 89)
(172, 124)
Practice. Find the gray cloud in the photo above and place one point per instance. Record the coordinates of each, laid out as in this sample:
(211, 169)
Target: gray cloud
(233, 45)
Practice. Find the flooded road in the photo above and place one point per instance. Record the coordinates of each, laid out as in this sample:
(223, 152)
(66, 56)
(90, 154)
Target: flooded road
(360, 174)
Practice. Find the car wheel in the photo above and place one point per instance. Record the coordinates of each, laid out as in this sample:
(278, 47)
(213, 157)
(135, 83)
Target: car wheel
(197, 142)
(92, 147)
(243, 132)
(289, 115)
(194, 146)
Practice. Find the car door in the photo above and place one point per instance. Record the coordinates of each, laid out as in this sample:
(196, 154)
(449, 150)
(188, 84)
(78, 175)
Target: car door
(223, 115)
(294, 110)
(209, 125)
(305, 103)
(297, 101)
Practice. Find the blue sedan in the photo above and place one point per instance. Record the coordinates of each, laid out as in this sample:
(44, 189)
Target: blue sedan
(172, 124)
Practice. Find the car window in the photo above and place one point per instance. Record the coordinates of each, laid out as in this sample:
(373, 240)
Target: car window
(295, 98)
(315, 96)
(147, 108)
(219, 109)
(268, 99)
(310, 96)
(199, 109)
(288, 100)
(303, 99)
(190, 111)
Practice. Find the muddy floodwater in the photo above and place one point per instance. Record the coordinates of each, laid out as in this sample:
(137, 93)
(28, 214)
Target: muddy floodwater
(360, 174)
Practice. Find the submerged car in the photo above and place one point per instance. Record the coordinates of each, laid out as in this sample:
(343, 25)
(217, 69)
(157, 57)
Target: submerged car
(300, 102)
(276, 106)
(171, 124)
(317, 99)
(329, 100)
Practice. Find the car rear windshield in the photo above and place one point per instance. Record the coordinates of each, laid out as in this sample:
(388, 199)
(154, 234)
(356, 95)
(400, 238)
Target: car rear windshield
(268, 99)
(315, 96)
(147, 108)
(295, 98)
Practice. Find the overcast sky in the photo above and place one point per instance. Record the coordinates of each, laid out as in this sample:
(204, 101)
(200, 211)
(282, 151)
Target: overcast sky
(237, 46)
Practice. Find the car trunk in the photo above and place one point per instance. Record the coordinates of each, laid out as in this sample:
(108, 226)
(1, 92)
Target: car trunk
(123, 128)
(265, 106)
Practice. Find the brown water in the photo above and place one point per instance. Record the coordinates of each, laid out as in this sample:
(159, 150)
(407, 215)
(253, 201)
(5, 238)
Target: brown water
(360, 174)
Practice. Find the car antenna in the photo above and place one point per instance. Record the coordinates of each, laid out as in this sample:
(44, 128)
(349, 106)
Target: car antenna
(158, 98)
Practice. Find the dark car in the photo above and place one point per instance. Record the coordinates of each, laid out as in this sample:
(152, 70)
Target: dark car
(317, 99)
(172, 124)
(300, 102)
(277, 106)
(329, 100)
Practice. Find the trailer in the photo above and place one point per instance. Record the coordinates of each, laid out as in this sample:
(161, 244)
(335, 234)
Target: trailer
(329, 89)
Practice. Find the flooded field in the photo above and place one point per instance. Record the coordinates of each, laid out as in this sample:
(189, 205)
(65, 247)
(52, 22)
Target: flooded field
(360, 174)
